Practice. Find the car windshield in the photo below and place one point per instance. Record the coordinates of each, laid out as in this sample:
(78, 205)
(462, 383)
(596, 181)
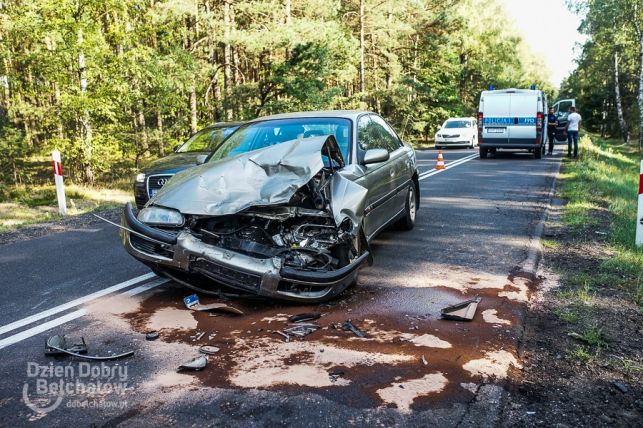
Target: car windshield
(257, 135)
(457, 124)
(206, 140)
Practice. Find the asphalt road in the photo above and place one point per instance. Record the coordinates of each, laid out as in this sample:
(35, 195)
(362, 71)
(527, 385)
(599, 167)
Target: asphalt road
(471, 239)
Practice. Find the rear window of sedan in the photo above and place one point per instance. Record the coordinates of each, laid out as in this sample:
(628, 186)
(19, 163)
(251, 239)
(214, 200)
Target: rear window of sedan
(257, 135)
(458, 124)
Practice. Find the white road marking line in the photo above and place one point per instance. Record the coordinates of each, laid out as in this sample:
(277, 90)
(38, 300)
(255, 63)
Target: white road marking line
(453, 164)
(142, 288)
(19, 337)
(60, 308)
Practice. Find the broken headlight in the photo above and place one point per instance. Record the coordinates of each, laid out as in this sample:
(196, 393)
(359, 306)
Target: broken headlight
(159, 216)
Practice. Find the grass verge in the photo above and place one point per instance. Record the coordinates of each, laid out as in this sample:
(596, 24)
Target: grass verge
(601, 194)
(22, 206)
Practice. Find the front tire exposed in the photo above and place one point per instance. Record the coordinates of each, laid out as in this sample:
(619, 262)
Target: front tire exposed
(483, 153)
(410, 209)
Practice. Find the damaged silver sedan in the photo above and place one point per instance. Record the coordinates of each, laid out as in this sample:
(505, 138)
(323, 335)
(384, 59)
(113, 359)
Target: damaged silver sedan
(285, 207)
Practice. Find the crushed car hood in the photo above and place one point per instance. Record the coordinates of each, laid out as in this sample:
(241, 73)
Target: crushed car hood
(264, 177)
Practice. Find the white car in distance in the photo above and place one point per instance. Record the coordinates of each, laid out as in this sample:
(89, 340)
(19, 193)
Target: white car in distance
(457, 131)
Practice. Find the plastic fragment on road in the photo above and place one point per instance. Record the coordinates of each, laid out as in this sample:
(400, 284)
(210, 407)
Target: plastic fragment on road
(58, 343)
(335, 374)
(152, 335)
(196, 364)
(208, 349)
(192, 303)
(349, 326)
(463, 311)
(424, 361)
(309, 316)
(301, 330)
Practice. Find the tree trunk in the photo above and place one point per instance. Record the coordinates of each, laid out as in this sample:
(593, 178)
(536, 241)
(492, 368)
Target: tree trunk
(640, 96)
(193, 112)
(87, 132)
(619, 107)
(159, 130)
(362, 81)
(227, 58)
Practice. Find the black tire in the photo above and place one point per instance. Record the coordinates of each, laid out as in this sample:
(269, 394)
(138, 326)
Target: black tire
(483, 153)
(410, 208)
(538, 153)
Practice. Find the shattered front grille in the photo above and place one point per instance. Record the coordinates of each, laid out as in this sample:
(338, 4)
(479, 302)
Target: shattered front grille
(227, 276)
(149, 247)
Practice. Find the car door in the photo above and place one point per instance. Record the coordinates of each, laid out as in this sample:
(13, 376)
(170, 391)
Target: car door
(375, 177)
(400, 167)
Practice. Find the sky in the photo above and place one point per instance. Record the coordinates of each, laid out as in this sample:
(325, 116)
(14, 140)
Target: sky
(550, 29)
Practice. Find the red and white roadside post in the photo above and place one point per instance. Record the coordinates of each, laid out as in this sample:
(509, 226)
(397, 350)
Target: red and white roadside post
(639, 215)
(60, 187)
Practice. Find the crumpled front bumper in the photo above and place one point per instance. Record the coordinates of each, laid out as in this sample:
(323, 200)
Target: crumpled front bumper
(186, 254)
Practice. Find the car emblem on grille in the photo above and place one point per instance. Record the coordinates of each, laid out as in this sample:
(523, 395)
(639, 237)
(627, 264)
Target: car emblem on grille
(162, 181)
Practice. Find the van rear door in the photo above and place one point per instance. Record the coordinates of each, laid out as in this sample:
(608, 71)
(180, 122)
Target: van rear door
(495, 109)
(524, 109)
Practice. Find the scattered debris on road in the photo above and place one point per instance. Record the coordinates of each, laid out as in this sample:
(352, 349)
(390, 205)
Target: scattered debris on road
(196, 364)
(301, 330)
(192, 303)
(208, 350)
(335, 374)
(58, 343)
(152, 335)
(424, 361)
(349, 326)
(463, 311)
(309, 316)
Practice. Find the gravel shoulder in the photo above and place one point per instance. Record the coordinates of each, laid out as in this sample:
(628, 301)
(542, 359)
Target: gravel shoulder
(582, 348)
(67, 224)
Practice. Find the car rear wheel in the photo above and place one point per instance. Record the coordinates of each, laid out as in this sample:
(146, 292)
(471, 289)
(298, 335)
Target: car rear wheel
(538, 153)
(410, 210)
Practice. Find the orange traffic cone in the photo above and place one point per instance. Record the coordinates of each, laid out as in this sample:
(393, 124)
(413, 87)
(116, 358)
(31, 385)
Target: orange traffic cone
(440, 164)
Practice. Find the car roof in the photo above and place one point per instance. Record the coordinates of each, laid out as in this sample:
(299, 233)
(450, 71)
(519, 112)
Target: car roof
(347, 114)
(224, 124)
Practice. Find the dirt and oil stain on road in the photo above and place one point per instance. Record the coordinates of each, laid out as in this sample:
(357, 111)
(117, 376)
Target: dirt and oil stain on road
(409, 358)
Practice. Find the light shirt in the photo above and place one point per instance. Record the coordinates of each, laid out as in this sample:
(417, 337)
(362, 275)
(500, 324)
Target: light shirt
(574, 119)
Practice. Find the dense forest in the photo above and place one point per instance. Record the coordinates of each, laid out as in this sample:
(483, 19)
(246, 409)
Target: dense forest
(608, 82)
(112, 83)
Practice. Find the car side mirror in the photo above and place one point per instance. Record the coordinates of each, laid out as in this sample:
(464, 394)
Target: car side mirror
(200, 160)
(375, 156)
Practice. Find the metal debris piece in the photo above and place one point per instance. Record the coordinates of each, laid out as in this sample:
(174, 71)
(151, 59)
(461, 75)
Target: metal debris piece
(424, 361)
(308, 316)
(463, 311)
(196, 364)
(284, 335)
(335, 374)
(152, 335)
(192, 302)
(301, 330)
(58, 343)
(348, 325)
(208, 350)
(200, 335)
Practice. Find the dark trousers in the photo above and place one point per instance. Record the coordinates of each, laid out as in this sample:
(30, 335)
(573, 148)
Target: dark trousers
(551, 135)
(572, 136)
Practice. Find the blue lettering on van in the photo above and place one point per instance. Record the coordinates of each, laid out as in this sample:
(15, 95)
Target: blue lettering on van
(509, 121)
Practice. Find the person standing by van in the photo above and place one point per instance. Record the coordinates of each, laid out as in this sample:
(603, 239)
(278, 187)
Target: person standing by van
(552, 122)
(573, 125)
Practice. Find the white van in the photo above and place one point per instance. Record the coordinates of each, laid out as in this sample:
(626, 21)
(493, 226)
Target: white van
(512, 119)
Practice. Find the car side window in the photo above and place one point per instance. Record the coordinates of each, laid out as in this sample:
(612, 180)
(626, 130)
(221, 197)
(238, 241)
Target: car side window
(390, 141)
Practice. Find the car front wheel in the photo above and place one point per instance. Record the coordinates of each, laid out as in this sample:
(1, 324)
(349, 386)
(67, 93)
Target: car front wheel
(410, 210)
